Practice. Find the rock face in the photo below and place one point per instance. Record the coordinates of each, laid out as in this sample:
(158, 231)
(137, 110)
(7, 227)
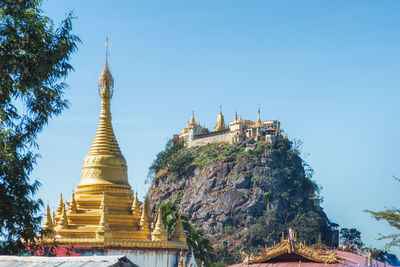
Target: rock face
(247, 197)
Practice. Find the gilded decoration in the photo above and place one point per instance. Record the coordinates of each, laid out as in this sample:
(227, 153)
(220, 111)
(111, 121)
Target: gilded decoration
(291, 246)
(103, 211)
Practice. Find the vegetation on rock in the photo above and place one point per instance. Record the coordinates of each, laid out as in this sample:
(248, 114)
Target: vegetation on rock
(242, 195)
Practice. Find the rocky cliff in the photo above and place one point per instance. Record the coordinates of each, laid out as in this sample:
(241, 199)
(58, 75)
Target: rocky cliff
(242, 195)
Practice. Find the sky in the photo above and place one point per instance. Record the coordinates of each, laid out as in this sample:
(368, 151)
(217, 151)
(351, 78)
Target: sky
(328, 70)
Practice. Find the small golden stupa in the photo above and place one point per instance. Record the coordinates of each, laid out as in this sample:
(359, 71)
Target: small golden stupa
(103, 211)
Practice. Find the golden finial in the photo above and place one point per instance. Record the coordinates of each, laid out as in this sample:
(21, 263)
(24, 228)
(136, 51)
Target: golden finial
(106, 81)
(136, 207)
(48, 223)
(60, 207)
(179, 233)
(235, 118)
(72, 208)
(144, 220)
(54, 219)
(159, 232)
(148, 211)
(63, 222)
(220, 121)
(282, 237)
(258, 117)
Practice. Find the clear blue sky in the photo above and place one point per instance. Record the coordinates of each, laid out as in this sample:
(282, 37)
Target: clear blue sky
(329, 70)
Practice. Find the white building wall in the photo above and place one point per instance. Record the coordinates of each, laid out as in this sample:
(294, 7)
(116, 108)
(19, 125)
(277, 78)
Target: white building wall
(141, 257)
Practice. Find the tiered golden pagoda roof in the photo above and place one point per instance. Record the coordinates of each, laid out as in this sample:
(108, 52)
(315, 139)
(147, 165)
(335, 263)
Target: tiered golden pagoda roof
(103, 211)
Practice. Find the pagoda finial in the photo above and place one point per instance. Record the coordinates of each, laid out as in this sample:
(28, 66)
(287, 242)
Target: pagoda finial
(60, 207)
(278, 128)
(54, 219)
(192, 120)
(179, 233)
(258, 117)
(72, 208)
(235, 118)
(136, 207)
(159, 232)
(144, 220)
(63, 221)
(106, 81)
(220, 121)
(48, 222)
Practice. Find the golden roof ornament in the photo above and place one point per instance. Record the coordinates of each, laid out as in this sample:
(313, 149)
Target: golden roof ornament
(291, 246)
(48, 222)
(54, 219)
(159, 232)
(72, 207)
(136, 207)
(144, 220)
(179, 233)
(258, 123)
(235, 118)
(60, 207)
(63, 222)
(220, 121)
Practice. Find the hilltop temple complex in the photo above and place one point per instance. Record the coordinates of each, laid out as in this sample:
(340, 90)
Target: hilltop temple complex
(103, 216)
(237, 130)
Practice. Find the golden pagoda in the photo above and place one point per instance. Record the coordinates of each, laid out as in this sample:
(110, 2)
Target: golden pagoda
(103, 212)
(220, 121)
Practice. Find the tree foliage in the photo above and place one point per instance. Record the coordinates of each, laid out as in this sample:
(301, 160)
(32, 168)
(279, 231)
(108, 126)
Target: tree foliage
(34, 60)
(352, 236)
(391, 216)
(196, 241)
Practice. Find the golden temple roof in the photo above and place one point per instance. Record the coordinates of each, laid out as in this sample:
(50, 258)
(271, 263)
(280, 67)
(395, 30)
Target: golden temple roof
(292, 247)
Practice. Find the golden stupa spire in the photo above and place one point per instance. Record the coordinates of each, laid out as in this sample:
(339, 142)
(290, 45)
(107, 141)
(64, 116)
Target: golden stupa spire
(192, 120)
(144, 220)
(72, 207)
(235, 118)
(258, 117)
(48, 222)
(136, 207)
(60, 207)
(63, 222)
(105, 166)
(220, 121)
(159, 232)
(54, 219)
(179, 233)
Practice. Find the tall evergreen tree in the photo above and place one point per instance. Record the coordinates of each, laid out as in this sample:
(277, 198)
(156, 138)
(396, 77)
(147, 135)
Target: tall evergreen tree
(34, 60)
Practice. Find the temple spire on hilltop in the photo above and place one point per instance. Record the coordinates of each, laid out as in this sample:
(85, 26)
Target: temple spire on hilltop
(220, 121)
(258, 117)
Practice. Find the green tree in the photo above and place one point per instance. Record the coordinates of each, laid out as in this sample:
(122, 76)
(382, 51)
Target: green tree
(392, 216)
(196, 241)
(34, 60)
(352, 236)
